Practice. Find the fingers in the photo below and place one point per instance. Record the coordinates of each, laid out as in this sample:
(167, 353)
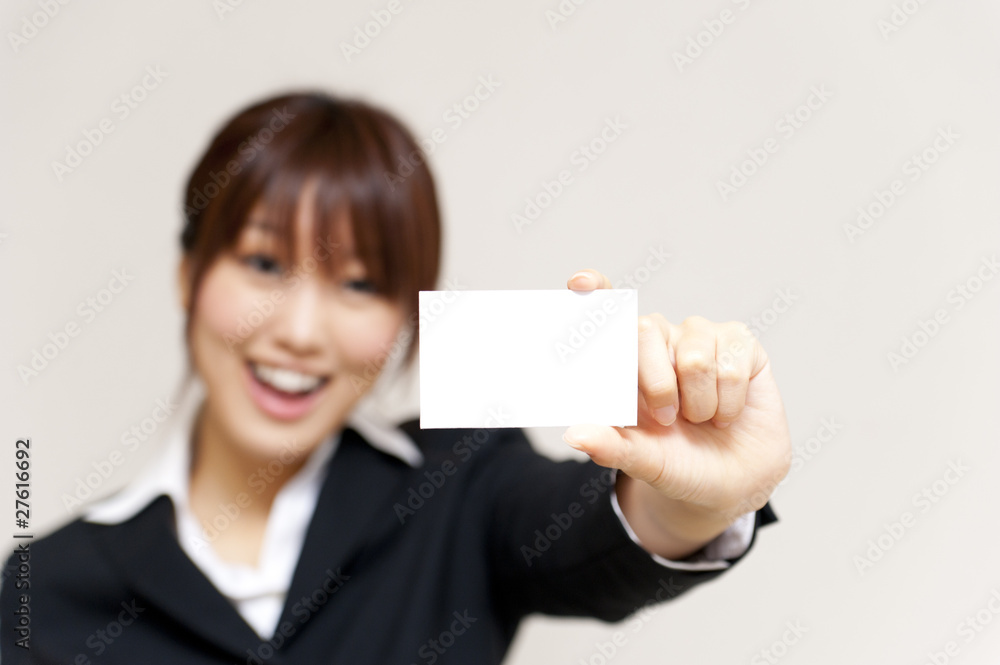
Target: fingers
(657, 380)
(696, 369)
(735, 360)
(700, 369)
(588, 280)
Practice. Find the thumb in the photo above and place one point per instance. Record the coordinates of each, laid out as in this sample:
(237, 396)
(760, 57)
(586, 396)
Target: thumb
(615, 448)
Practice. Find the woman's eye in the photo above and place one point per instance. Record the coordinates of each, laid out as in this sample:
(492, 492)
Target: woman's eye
(362, 285)
(262, 263)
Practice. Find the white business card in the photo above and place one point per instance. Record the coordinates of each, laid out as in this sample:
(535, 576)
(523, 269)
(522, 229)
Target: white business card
(528, 358)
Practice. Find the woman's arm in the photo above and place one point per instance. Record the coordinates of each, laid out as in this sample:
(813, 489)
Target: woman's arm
(558, 547)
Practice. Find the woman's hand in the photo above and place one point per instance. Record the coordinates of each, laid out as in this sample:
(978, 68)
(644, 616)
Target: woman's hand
(711, 440)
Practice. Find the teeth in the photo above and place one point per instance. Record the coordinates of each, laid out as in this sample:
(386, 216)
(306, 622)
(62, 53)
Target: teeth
(285, 380)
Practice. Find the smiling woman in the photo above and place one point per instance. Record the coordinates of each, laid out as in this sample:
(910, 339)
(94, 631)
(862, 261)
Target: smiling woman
(307, 223)
(270, 522)
(295, 376)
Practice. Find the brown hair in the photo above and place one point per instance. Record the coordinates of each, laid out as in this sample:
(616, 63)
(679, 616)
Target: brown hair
(264, 155)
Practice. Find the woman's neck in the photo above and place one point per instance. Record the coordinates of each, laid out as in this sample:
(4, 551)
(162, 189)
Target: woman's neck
(228, 508)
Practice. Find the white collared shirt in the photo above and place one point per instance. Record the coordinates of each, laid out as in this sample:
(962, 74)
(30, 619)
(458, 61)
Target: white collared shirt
(258, 593)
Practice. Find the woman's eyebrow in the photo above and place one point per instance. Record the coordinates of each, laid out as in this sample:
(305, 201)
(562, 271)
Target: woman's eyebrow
(346, 250)
(261, 224)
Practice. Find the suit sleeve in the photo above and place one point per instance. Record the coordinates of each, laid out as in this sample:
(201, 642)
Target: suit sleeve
(558, 546)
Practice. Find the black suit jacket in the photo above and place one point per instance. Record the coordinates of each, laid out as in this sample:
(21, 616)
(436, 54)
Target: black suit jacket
(400, 566)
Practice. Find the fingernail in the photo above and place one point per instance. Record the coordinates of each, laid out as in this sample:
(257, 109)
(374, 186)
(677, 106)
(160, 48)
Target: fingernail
(572, 441)
(584, 275)
(665, 415)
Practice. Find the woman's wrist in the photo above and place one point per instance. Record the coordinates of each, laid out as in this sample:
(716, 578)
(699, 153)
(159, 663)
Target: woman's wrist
(667, 527)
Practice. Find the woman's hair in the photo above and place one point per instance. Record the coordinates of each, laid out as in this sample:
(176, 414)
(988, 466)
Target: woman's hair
(266, 153)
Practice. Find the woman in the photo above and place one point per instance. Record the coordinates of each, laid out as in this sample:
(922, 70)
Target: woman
(280, 524)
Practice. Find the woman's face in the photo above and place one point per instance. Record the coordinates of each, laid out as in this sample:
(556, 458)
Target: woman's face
(285, 351)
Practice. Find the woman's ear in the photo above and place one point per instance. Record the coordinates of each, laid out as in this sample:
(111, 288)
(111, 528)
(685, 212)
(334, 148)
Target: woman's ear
(184, 282)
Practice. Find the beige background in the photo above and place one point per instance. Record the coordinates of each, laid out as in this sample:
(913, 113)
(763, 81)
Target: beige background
(898, 428)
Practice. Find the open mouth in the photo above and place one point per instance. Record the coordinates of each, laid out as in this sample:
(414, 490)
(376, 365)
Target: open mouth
(287, 381)
(283, 393)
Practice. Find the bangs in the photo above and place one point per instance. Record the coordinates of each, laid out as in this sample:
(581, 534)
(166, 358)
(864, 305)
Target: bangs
(354, 207)
(347, 220)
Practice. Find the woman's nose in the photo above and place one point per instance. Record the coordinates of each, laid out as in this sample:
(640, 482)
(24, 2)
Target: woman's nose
(298, 324)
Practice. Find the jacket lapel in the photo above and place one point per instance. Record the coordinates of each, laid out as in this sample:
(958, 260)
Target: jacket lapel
(164, 577)
(354, 508)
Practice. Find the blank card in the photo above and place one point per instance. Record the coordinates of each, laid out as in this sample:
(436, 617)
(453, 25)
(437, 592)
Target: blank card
(528, 358)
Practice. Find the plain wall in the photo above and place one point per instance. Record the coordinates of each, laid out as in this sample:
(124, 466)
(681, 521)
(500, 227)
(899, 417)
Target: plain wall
(871, 433)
